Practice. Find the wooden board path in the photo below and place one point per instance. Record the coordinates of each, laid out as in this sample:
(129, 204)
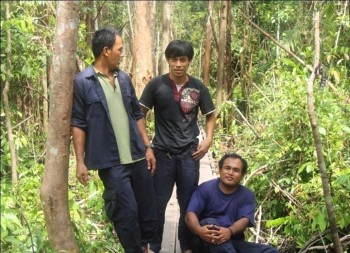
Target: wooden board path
(170, 242)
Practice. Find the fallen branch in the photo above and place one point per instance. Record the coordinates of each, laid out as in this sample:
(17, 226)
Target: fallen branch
(257, 87)
(20, 123)
(259, 171)
(245, 119)
(288, 195)
(82, 203)
(313, 240)
(344, 241)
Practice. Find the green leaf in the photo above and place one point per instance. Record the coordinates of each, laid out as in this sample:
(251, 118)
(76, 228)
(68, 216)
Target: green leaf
(10, 218)
(321, 221)
(346, 129)
(276, 222)
(322, 131)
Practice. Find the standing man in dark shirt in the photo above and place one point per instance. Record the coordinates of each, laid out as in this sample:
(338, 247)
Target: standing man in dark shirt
(109, 135)
(176, 98)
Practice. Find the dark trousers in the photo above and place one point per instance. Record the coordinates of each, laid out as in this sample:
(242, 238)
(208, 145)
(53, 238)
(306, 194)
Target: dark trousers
(183, 170)
(130, 204)
(232, 246)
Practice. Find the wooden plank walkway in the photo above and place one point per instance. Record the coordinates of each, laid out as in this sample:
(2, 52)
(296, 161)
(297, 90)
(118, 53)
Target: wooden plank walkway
(170, 242)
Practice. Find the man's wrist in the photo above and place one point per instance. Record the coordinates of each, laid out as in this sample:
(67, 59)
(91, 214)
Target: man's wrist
(79, 160)
(149, 146)
(231, 230)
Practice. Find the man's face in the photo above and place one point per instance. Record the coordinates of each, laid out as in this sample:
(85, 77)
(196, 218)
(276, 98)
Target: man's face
(178, 66)
(231, 172)
(115, 53)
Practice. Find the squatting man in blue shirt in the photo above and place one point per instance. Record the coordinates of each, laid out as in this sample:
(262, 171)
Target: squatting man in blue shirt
(221, 209)
(109, 135)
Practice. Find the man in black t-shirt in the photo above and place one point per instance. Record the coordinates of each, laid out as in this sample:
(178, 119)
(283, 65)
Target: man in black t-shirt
(177, 98)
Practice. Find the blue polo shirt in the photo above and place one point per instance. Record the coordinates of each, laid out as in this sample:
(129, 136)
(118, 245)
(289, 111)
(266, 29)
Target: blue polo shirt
(91, 113)
(208, 201)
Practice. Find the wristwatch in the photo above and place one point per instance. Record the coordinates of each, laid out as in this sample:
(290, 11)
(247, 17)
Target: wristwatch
(149, 146)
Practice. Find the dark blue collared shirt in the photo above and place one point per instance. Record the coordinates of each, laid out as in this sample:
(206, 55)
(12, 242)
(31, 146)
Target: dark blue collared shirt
(90, 113)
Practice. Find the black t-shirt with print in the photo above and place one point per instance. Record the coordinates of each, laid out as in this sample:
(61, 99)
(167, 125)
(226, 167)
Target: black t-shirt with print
(176, 115)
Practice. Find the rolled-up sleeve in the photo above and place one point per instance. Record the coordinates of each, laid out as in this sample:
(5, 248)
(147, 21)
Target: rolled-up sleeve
(78, 110)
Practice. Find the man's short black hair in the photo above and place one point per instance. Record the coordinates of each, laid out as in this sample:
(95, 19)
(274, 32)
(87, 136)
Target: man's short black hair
(103, 38)
(177, 48)
(234, 156)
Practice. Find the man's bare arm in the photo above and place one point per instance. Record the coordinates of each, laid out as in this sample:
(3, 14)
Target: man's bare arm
(82, 172)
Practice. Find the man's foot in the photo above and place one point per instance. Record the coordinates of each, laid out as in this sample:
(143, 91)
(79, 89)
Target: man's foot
(187, 251)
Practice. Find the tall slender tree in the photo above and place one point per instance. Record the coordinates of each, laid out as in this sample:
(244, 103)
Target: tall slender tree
(89, 21)
(6, 101)
(221, 55)
(317, 140)
(228, 55)
(54, 189)
(208, 44)
(166, 26)
(142, 67)
(244, 74)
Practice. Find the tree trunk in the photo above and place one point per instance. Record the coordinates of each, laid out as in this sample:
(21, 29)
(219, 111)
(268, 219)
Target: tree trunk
(128, 61)
(207, 50)
(89, 21)
(6, 101)
(100, 6)
(54, 190)
(45, 102)
(318, 143)
(221, 55)
(243, 62)
(228, 56)
(142, 67)
(166, 21)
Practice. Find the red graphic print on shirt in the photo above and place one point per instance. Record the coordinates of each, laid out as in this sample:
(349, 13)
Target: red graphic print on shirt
(189, 100)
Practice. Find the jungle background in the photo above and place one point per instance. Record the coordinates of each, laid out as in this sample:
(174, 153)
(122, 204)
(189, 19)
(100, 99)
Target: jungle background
(254, 56)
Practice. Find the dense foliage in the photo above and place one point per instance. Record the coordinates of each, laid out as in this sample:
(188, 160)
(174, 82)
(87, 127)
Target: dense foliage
(277, 143)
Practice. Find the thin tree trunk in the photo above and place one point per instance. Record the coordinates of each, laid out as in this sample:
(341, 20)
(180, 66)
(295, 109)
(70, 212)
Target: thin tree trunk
(54, 189)
(142, 67)
(243, 63)
(130, 23)
(228, 54)
(248, 84)
(158, 54)
(318, 143)
(341, 25)
(89, 21)
(207, 50)
(166, 21)
(221, 55)
(278, 33)
(45, 103)
(214, 34)
(101, 9)
(6, 101)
